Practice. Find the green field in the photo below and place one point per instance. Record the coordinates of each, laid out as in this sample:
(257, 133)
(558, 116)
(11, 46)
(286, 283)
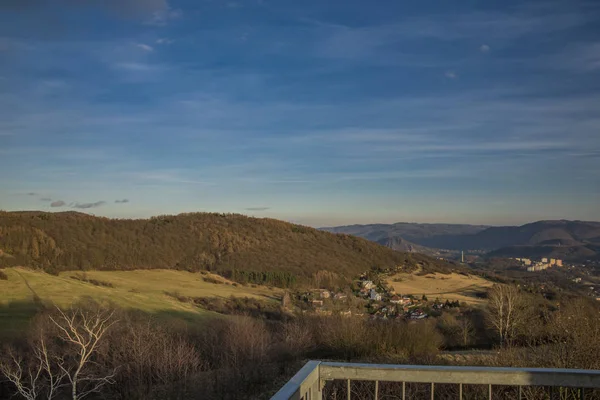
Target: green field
(142, 290)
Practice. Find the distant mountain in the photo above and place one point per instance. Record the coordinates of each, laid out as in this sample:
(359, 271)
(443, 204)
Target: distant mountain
(198, 241)
(413, 232)
(399, 244)
(580, 252)
(570, 239)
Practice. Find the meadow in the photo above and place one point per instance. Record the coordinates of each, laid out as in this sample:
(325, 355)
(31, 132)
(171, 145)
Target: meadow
(461, 287)
(149, 291)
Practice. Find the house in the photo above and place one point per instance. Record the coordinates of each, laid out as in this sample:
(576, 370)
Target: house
(340, 296)
(418, 314)
(374, 295)
(368, 284)
(406, 300)
(317, 303)
(395, 300)
(346, 313)
(325, 294)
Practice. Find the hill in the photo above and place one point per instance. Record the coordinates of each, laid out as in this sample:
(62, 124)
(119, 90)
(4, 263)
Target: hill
(412, 232)
(565, 239)
(265, 250)
(152, 292)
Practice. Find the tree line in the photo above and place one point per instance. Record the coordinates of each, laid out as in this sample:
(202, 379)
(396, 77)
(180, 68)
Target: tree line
(220, 243)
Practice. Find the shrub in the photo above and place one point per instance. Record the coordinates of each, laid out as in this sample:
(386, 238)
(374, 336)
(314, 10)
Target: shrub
(83, 277)
(3, 276)
(210, 279)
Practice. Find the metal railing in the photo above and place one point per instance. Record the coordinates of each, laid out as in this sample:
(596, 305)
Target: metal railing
(309, 382)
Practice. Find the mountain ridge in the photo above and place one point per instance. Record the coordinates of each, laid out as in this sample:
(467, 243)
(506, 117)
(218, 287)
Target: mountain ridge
(573, 239)
(194, 241)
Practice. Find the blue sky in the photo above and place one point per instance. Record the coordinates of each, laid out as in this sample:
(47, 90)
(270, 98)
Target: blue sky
(317, 112)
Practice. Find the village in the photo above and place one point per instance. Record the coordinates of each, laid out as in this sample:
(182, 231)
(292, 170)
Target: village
(373, 298)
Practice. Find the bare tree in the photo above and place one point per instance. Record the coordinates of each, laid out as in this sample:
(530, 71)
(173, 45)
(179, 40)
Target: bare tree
(506, 312)
(466, 330)
(35, 378)
(83, 330)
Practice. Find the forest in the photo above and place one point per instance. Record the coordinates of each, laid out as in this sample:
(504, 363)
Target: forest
(223, 243)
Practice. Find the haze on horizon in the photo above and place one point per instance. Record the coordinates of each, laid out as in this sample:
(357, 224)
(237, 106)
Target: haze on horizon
(318, 113)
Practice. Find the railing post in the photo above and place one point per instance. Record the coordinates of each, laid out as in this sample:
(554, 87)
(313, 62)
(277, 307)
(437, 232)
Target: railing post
(460, 391)
(403, 390)
(348, 390)
(432, 391)
(490, 392)
(376, 390)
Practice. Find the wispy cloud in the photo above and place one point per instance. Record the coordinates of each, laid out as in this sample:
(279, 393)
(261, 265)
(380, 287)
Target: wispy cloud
(122, 6)
(145, 47)
(32, 194)
(379, 43)
(136, 66)
(450, 75)
(257, 208)
(123, 201)
(46, 199)
(164, 16)
(584, 57)
(89, 205)
(58, 203)
(164, 41)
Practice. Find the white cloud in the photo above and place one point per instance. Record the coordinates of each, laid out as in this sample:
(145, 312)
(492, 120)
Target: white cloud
(133, 66)
(484, 48)
(451, 75)
(164, 41)
(162, 17)
(145, 47)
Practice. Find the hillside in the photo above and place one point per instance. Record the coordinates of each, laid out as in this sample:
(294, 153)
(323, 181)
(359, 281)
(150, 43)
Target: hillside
(412, 232)
(281, 251)
(561, 238)
(147, 291)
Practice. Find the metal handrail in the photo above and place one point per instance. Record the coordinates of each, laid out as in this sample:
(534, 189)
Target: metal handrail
(308, 383)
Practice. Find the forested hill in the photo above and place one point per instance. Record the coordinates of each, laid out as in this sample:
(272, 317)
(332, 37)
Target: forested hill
(217, 242)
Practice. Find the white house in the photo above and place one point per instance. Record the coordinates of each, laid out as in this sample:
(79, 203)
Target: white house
(374, 295)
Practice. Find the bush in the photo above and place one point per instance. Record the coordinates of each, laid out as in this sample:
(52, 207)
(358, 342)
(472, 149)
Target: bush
(83, 277)
(210, 279)
(3, 276)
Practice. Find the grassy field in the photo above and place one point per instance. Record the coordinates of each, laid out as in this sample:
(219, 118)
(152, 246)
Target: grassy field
(141, 290)
(451, 286)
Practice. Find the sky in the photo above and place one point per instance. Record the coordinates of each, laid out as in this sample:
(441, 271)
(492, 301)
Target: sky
(316, 112)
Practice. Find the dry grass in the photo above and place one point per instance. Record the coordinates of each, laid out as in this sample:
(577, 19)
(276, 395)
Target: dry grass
(452, 286)
(141, 290)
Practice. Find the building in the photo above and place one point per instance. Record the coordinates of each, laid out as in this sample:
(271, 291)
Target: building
(325, 294)
(526, 261)
(317, 303)
(545, 260)
(559, 263)
(395, 300)
(340, 296)
(374, 295)
(552, 261)
(368, 284)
